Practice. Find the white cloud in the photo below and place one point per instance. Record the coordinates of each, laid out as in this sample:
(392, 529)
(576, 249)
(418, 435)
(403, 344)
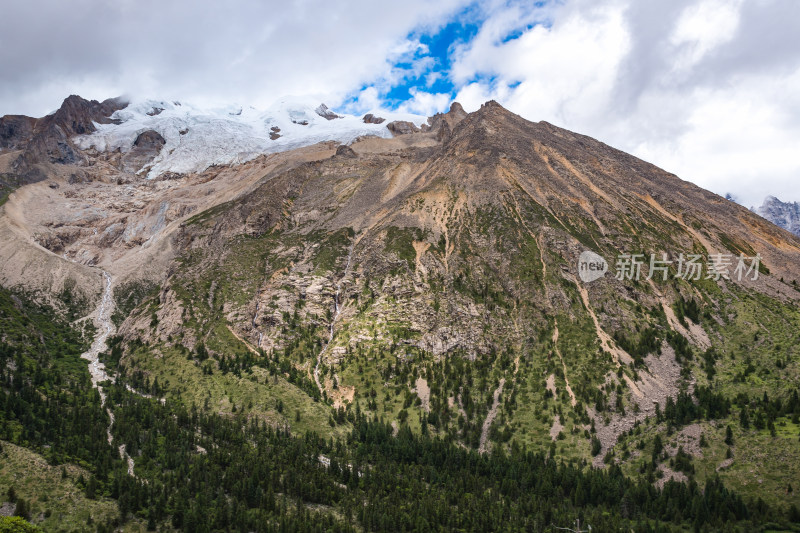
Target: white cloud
(701, 29)
(202, 50)
(423, 103)
(698, 88)
(708, 89)
(737, 140)
(565, 73)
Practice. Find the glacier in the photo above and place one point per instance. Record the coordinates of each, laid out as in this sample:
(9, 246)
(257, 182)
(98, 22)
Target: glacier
(198, 137)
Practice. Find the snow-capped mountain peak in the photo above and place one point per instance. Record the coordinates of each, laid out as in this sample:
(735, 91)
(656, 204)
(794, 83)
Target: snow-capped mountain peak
(197, 138)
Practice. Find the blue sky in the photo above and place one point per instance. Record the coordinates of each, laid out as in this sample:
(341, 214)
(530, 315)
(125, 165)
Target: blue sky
(427, 68)
(707, 89)
(438, 48)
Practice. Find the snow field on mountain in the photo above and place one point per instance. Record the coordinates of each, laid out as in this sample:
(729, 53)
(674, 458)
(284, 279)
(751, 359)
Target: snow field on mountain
(197, 138)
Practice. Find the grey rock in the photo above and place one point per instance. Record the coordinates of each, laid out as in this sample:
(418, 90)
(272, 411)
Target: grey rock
(783, 214)
(369, 118)
(149, 139)
(146, 147)
(326, 113)
(15, 130)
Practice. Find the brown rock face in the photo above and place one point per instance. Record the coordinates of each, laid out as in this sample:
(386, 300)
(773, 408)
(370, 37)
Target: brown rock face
(48, 139)
(451, 118)
(402, 127)
(77, 116)
(149, 139)
(345, 151)
(145, 148)
(457, 111)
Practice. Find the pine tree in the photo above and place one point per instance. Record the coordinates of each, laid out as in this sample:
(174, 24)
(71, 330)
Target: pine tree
(744, 418)
(21, 509)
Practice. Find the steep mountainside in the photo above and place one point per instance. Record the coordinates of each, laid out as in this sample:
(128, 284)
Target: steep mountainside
(435, 281)
(783, 214)
(439, 285)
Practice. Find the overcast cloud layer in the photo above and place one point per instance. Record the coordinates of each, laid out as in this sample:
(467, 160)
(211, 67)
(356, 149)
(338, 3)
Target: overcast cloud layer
(707, 89)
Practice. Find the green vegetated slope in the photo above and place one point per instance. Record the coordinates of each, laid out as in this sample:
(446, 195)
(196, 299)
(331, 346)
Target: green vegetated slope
(57, 468)
(201, 471)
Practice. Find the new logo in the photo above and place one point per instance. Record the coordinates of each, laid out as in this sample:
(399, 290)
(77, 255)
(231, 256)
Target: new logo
(591, 266)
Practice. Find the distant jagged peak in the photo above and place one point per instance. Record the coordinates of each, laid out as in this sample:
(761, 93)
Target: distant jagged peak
(783, 214)
(774, 200)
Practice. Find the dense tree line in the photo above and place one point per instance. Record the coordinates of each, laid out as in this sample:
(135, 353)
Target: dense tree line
(209, 473)
(197, 471)
(687, 309)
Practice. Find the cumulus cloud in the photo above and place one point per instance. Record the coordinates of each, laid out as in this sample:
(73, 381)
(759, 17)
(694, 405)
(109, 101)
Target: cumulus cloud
(424, 103)
(207, 51)
(708, 90)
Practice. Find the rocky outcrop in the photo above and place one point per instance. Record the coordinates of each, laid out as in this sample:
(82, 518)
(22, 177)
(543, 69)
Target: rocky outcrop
(455, 115)
(345, 151)
(15, 131)
(369, 118)
(326, 113)
(443, 123)
(145, 148)
(149, 139)
(457, 112)
(443, 133)
(77, 116)
(402, 127)
(48, 140)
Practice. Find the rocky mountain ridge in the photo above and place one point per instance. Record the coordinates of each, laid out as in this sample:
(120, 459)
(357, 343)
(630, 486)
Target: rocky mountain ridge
(50, 139)
(194, 137)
